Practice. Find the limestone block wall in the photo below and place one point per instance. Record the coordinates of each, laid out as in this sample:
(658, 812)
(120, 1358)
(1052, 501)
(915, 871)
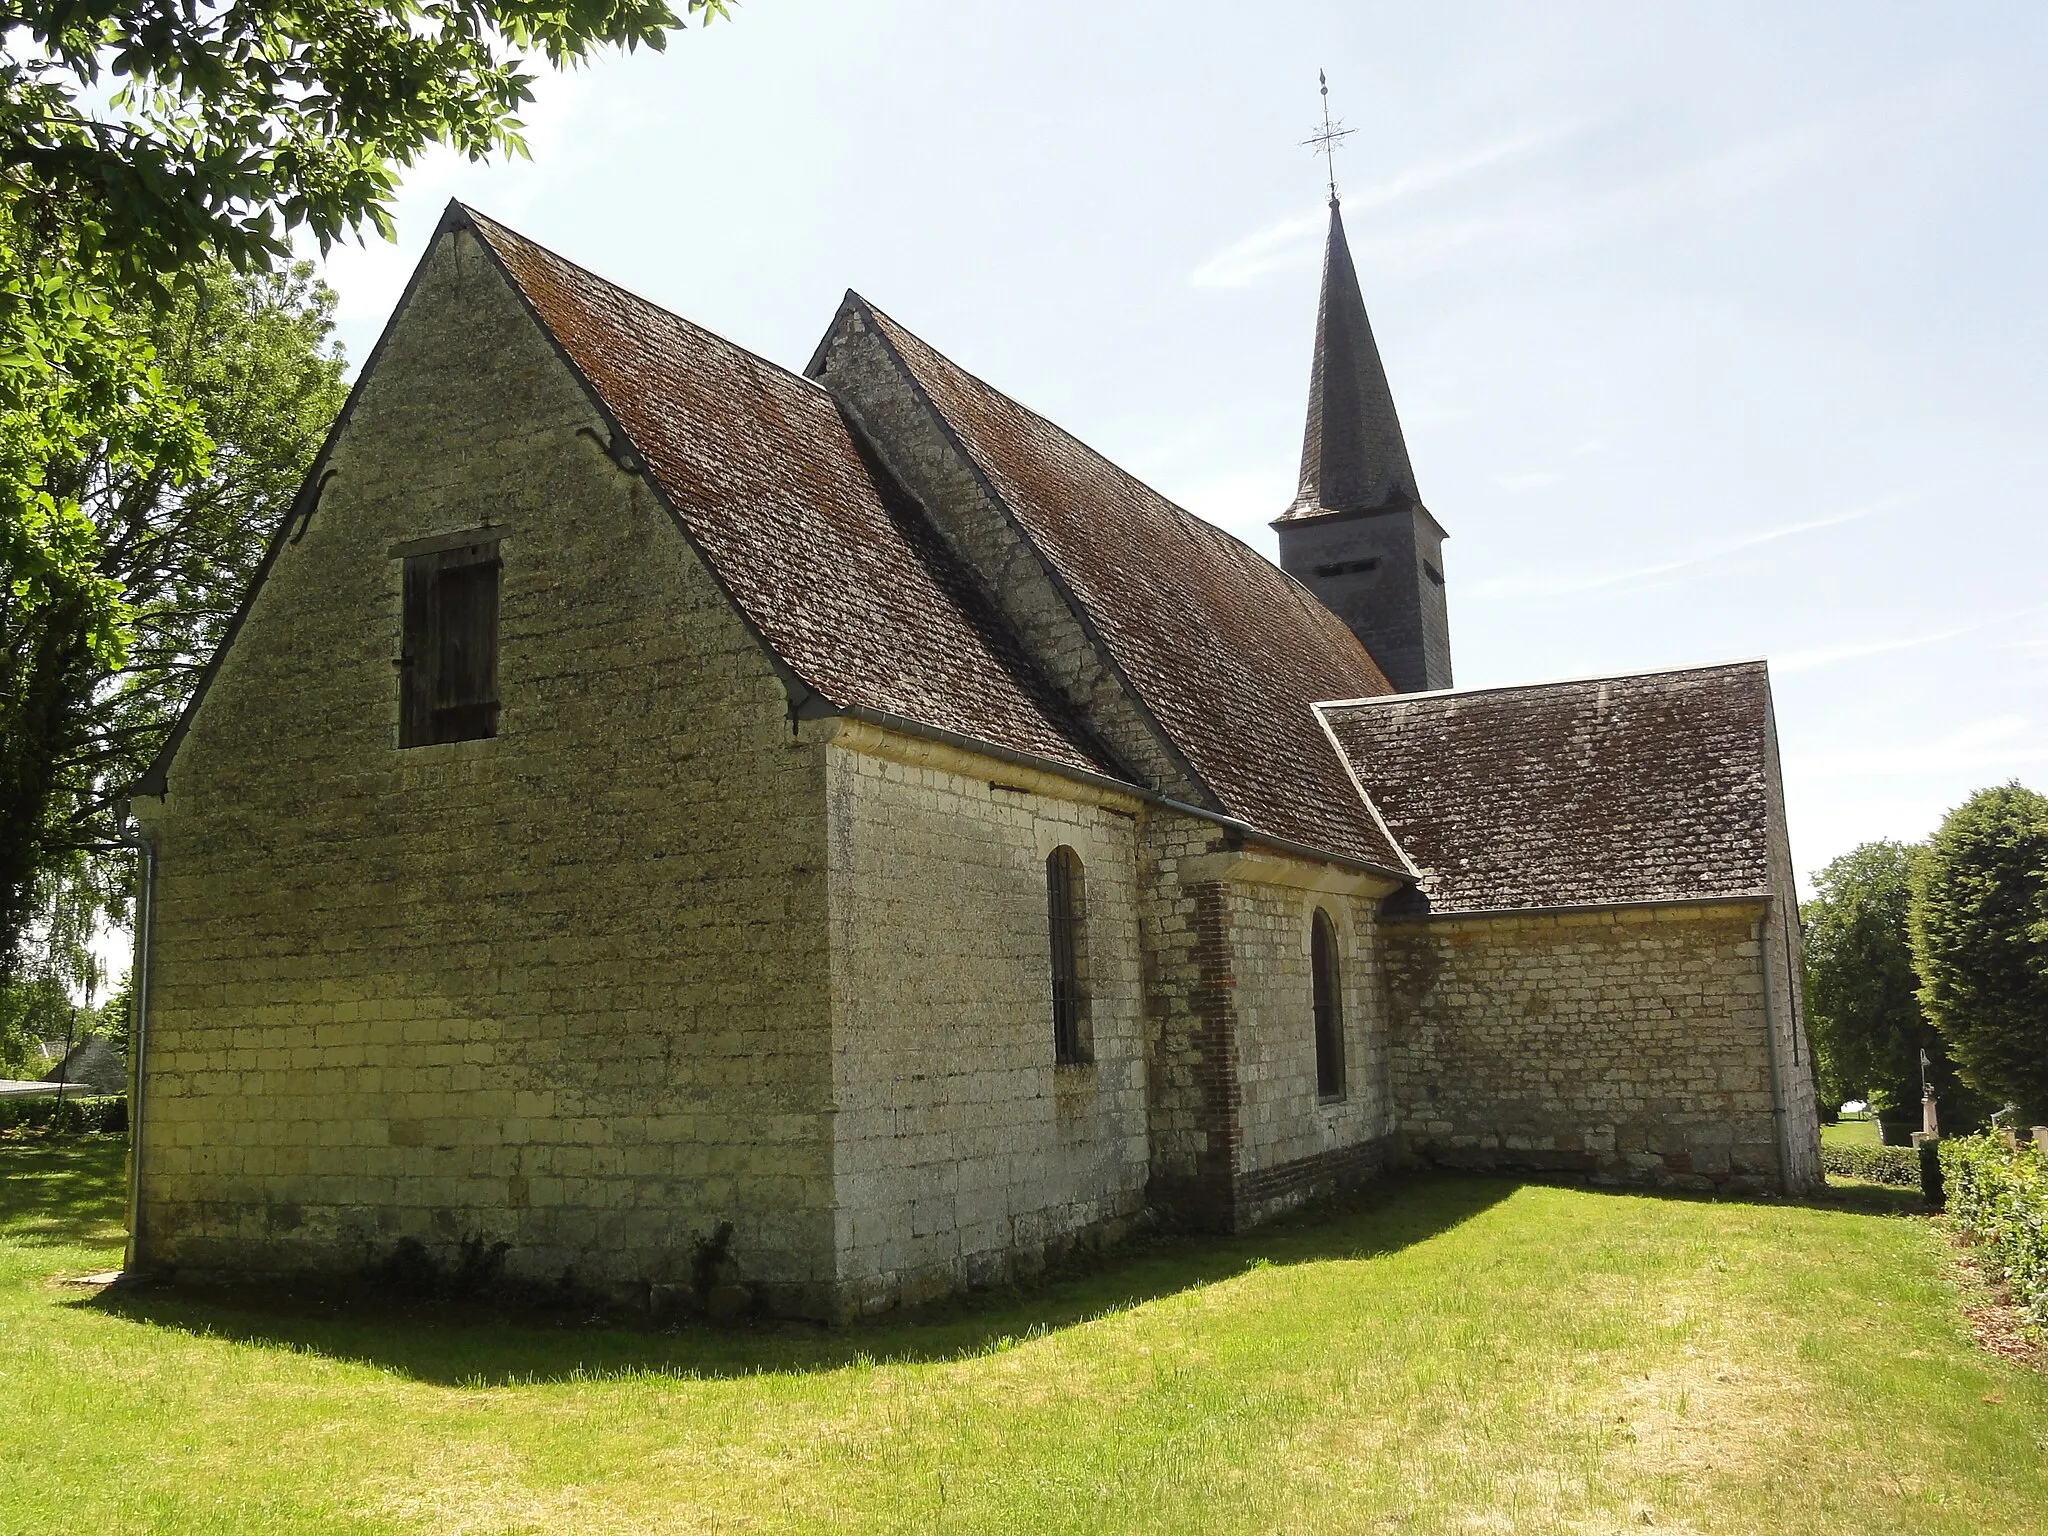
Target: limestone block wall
(565, 988)
(962, 1152)
(1629, 1044)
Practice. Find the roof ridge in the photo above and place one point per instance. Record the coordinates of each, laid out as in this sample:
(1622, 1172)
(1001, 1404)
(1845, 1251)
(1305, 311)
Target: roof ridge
(478, 220)
(1195, 519)
(1548, 682)
(1223, 648)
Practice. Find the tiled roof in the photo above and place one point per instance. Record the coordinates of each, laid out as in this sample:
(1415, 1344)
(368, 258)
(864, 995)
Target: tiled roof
(1227, 653)
(1645, 788)
(840, 574)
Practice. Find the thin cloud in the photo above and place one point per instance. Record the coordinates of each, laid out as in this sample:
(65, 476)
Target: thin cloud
(1522, 218)
(1543, 584)
(1293, 243)
(1828, 655)
(1287, 245)
(1991, 746)
(1431, 174)
(1516, 218)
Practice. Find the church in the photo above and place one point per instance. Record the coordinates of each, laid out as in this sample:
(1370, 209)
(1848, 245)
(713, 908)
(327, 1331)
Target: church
(835, 832)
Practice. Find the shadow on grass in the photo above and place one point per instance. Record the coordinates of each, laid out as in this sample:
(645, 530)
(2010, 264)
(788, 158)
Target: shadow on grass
(64, 1192)
(71, 1193)
(450, 1345)
(1869, 1199)
(1860, 1196)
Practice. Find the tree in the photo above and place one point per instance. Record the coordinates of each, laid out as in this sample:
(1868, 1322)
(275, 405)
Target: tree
(30, 1013)
(248, 360)
(140, 146)
(78, 387)
(251, 357)
(167, 136)
(1980, 942)
(1862, 993)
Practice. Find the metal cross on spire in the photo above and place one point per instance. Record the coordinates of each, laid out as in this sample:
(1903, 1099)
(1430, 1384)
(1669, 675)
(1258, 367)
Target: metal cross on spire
(1328, 137)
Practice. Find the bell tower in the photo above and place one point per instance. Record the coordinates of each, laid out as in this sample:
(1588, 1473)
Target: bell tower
(1358, 535)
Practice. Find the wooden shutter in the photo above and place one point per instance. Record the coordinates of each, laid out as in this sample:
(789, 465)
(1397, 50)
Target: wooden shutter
(448, 668)
(415, 667)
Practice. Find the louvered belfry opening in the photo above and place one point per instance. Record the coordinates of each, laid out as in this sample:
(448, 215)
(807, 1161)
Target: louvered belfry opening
(1329, 1007)
(1065, 898)
(448, 668)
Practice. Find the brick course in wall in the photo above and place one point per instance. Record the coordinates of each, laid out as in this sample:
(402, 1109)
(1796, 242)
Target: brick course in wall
(1238, 1130)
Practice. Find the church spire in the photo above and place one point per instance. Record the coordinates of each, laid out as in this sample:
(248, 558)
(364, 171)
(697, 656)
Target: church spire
(1358, 535)
(1353, 456)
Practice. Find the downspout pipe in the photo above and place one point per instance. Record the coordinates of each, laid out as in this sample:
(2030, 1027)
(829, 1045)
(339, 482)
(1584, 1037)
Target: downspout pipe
(134, 836)
(1779, 1127)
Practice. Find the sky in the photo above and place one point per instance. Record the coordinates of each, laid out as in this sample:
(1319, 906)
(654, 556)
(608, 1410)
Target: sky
(1716, 331)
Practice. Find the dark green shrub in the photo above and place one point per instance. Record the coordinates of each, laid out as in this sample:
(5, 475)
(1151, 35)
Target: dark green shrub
(1979, 923)
(1862, 993)
(1899, 1166)
(95, 1115)
(2000, 1198)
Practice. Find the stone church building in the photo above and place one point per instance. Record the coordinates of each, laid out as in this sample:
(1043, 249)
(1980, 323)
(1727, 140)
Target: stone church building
(646, 789)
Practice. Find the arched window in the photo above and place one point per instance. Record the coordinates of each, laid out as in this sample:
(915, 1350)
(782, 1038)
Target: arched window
(1329, 1006)
(1066, 910)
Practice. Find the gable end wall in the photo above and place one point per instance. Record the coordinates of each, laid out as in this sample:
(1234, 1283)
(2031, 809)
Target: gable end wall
(564, 988)
(1784, 956)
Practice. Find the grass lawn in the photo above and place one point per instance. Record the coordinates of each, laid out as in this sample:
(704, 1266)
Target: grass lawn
(1850, 1133)
(1451, 1356)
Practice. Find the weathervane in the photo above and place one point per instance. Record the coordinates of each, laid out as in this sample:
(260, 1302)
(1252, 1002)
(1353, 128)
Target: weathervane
(1327, 139)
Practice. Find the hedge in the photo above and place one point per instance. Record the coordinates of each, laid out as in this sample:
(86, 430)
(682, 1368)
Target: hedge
(2000, 1197)
(1880, 1165)
(89, 1115)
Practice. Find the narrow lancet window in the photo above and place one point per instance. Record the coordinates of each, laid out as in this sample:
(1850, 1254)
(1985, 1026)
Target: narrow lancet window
(1329, 1007)
(1065, 901)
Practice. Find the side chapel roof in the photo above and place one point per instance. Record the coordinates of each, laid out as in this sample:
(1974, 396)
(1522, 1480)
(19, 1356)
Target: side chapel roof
(831, 563)
(1654, 787)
